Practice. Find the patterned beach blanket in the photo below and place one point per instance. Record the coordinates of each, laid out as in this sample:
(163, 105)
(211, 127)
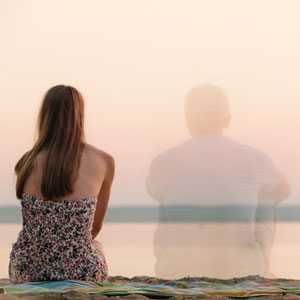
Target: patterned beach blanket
(244, 289)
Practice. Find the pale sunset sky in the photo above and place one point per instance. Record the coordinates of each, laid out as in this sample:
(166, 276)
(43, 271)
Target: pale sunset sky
(134, 61)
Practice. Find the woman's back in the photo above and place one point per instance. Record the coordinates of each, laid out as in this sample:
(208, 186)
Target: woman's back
(92, 170)
(56, 240)
(64, 186)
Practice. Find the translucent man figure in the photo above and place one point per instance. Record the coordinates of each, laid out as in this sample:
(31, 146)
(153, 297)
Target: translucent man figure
(216, 197)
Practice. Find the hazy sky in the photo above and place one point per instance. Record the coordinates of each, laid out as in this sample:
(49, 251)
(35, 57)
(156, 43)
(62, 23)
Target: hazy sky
(134, 61)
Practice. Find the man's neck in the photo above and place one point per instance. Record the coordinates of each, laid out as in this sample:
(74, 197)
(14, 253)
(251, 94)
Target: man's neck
(208, 132)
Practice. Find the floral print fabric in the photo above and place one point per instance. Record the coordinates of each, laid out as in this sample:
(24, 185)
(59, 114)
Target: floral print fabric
(56, 242)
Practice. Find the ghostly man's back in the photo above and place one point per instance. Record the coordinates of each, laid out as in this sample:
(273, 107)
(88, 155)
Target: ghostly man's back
(208, 188)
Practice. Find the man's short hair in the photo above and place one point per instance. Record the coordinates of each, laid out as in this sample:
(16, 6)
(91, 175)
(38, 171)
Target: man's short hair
(208, 101)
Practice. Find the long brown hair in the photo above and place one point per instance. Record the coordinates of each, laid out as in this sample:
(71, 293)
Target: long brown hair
(61, 133)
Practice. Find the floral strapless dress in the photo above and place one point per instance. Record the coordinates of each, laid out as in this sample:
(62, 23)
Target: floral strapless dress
(56, 243)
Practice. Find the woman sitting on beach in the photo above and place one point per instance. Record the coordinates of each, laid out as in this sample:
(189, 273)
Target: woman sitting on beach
(64, 186)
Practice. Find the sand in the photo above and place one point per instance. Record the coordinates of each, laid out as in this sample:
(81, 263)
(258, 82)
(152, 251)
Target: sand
(151, 280)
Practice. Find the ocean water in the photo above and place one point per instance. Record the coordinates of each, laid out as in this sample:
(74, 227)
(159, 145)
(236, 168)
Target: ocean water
(129, 248)
(150, 214)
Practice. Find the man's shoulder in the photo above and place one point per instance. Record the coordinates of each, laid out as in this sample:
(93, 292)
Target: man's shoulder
(169, 154)
(190, 147)
(249, 150)
(162, 158)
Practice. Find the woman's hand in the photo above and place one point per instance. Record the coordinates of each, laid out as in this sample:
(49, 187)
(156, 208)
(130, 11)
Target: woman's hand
(95, 232)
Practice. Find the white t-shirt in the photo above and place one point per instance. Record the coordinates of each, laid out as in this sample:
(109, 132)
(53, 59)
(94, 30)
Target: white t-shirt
(209, 179)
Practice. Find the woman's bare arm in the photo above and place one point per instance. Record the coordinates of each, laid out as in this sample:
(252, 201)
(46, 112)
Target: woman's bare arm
(103, 197)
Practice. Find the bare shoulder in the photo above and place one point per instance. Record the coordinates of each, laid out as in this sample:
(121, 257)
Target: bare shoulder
(99, 156)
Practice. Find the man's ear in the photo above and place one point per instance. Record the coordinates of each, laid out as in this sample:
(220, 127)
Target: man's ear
(227, 121)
